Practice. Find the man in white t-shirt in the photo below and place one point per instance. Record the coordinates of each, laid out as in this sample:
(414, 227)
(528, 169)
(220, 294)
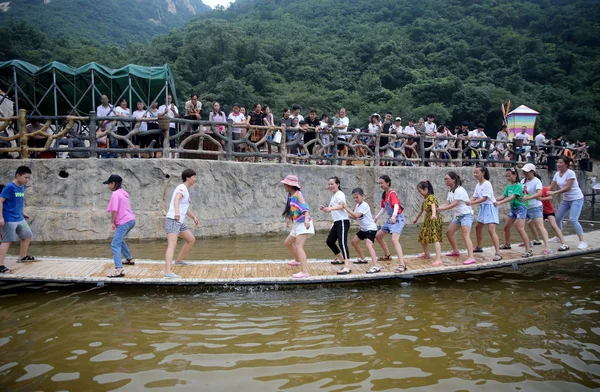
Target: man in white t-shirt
(169, 110)
(106, 110)
(541, 141)
(430, 133)
(520, 150)
(342, 126)
(475, 142)
(174, 223)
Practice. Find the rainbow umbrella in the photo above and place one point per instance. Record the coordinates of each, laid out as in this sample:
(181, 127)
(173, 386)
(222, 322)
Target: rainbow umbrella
(521, 116)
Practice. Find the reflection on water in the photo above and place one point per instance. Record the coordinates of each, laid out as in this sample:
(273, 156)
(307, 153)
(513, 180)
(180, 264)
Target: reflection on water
(537, 329)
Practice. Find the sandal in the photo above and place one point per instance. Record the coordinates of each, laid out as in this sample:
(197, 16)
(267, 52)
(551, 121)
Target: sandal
(478, 250)
(116, 274)
(497, 257)
(361, 261)
(26, 259)
(453, 254)
(436, 263)
(337, 262)
(4, 270)
(527, 254)
(374, 270)
(344, 271)
(400, 269)
(505, 246)
(423, 256)
(563, 248)
(385, 258)
(129, 262)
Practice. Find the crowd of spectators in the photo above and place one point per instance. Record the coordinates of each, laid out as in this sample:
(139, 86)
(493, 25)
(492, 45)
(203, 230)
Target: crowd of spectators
(440, 143)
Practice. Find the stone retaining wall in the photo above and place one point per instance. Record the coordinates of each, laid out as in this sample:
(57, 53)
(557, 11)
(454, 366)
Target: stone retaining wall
(67, 200)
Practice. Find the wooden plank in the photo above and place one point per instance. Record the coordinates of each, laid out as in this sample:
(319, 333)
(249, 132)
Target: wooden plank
(265, 272)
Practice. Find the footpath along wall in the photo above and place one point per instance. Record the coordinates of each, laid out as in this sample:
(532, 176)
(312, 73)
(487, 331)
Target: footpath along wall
(67, 200)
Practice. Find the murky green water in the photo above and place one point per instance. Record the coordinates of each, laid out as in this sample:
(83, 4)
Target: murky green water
(537, 329)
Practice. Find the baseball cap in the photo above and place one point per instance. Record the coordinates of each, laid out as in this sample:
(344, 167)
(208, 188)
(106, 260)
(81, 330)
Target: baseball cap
(113, 178)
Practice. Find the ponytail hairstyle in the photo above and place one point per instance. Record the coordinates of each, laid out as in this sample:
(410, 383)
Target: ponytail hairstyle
(485, 171)
(336, 179)
(426, 185)
(456, 178)
(514, 171)
(388, 180)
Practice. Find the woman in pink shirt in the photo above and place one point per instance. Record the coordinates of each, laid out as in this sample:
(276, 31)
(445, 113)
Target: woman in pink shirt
(123, 220)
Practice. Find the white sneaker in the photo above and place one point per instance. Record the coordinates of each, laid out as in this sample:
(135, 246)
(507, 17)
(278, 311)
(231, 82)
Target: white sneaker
(171, 276)
(582, 245)
(554, 240)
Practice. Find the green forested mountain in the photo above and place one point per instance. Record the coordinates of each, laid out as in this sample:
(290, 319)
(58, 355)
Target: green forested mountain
(458, 59)
(106, 21)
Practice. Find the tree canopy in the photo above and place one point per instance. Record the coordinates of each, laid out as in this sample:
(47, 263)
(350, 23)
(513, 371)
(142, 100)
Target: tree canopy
(457, 59)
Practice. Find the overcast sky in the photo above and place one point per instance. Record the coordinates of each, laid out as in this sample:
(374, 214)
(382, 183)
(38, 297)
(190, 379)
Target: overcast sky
(213, 3)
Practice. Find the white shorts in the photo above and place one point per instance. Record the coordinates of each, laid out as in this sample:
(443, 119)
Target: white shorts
(300, 228)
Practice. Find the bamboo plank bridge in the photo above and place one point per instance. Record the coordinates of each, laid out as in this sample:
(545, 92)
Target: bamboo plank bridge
(270, 272)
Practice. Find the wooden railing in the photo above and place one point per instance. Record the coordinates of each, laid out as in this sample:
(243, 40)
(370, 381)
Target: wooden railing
(216, 140)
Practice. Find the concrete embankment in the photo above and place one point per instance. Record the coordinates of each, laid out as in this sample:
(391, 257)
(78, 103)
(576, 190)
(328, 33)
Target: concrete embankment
(67, 201)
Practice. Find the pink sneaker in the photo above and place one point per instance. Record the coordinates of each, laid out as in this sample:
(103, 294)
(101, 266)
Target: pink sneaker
(294, 263)
(453, 254)
(300, 275)
(470, 261)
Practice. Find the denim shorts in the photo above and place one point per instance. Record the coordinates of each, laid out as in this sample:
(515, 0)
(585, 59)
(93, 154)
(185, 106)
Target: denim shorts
(463, 220)
(395, 227)
(518, 213)
(534, 213)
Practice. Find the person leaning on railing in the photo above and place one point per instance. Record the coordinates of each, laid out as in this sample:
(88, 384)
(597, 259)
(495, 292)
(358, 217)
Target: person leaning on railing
(192, 111)
(71, 138)
(37, 141)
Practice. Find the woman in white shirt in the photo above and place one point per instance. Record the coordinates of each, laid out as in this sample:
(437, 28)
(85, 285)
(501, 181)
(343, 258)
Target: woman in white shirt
(532, 191)
(341, 226)
(463, 216)
(488, 212)
(565, 181)
(122, 111)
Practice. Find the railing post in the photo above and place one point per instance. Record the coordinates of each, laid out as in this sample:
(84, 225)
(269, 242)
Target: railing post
(460, 151)
(23, 134)
(376, 152)
(92, 126)
(229, 141)
(421, 149)
(283, 143)
(334, 155)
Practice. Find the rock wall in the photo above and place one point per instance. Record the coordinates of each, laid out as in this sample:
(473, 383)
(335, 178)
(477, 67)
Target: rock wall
(67, 200)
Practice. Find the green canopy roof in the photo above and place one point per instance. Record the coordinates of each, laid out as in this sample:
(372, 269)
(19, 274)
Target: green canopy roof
(57, 88)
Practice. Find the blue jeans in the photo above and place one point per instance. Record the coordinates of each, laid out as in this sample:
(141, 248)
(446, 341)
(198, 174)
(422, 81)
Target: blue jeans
(119, 246)
(575, 207)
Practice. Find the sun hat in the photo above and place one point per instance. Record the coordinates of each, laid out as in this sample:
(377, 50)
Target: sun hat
(113, 178)
(528, 167)
(374, 115)
(291, 180)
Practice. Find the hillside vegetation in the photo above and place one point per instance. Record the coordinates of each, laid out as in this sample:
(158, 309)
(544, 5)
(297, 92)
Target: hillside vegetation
(457, 59)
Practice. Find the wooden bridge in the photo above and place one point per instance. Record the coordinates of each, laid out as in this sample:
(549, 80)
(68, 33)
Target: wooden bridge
(269, 272)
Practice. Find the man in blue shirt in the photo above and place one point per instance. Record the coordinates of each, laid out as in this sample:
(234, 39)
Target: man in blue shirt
(12, 222)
